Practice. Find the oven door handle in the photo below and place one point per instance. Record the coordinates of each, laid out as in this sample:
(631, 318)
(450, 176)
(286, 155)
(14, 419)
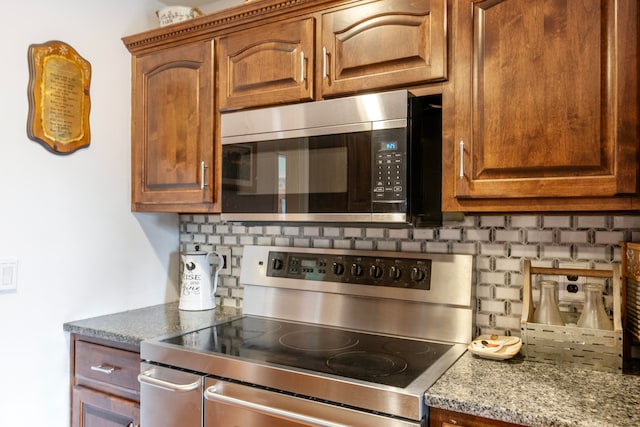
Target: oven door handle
(213, 393)
(145, 377)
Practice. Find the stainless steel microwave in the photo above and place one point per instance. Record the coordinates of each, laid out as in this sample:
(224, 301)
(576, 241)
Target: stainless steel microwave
(368, 158)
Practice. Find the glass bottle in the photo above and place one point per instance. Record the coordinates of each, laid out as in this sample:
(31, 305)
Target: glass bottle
(548, 311)
(593, 314)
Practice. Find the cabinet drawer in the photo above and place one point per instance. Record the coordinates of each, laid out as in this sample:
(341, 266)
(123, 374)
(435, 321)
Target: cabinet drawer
(107, 367)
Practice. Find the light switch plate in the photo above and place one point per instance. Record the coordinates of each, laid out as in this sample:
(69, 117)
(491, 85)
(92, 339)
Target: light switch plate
(8, 274)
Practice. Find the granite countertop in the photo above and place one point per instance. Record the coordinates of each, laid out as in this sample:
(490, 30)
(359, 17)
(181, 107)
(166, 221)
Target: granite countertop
(537, 394)
(132, 327)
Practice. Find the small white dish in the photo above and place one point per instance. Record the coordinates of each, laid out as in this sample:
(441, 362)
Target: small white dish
(495, 347)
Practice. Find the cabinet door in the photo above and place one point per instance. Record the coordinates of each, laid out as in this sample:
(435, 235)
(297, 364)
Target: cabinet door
(444, 418)
(172, 164)
(271, 64)
(545, 101)
(94, 409)
(383, 44)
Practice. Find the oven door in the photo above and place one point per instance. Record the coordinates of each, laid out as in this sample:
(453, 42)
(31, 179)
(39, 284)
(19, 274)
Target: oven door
(169, 397)
(229, 404)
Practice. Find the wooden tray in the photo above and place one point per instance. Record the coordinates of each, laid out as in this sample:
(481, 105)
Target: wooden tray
(585, 347)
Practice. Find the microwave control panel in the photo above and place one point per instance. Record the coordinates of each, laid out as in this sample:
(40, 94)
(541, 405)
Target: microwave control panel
(362, 270)
(389, 174)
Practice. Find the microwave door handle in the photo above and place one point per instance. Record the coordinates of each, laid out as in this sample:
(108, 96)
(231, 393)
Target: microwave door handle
(213, 394)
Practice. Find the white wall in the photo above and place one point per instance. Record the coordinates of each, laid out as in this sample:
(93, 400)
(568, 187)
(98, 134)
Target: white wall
(67, 219)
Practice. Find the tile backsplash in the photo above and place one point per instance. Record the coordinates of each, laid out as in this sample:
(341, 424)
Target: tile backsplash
(498, 242)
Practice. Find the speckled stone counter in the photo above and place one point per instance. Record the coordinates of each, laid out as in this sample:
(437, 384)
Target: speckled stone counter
(132, 327)
(537, 394)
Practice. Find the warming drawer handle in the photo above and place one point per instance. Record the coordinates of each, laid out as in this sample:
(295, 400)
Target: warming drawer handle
(211, 393)
(145, 377)
(104, 369)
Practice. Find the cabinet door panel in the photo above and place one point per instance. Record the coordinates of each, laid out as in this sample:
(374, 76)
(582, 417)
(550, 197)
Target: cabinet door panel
(95, 409)
(269, 65)
(173, 129)
(383, 44)
(538, 88)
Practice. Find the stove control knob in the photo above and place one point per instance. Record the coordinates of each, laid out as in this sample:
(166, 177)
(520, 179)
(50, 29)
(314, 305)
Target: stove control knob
(337, 268)
(417, 274)
(375, 271)
(356, 269)
(276, 264)
(395, 272)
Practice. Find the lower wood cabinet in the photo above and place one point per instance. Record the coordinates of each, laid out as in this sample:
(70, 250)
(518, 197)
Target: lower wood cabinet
(96, 409)
(445, 418)
(104, 386)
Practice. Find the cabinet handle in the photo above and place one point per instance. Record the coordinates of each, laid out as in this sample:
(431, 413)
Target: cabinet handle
(324, 63)
(203, 182)
(104, 369)
(301, 67)
(461, 159)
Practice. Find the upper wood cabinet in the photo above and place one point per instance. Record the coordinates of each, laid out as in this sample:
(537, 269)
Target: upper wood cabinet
(545, 106)
(172, 146)
(383, 44)
(361, 46)
(272, 64)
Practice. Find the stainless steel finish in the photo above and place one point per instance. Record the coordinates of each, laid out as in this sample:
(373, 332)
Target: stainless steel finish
(324, 63)
(352, 114)
(317, 217)
(103, 369)
(248, 406)
(409, 319)
(443, 313)
(301, 67)
(148, 378)
(461, 159)
(451, 275)
(203, 168)
(406, 402)
(170, 397)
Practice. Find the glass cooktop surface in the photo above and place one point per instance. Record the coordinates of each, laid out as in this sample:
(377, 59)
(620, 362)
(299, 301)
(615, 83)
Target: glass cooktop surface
(380, 359)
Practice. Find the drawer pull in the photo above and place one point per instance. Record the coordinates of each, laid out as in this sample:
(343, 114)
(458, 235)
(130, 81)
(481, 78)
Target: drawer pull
(104, 369)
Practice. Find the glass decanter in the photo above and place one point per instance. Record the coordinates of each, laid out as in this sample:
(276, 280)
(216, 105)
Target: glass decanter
(548, 311)
(593, 314)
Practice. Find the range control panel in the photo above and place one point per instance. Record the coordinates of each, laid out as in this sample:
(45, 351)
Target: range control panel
(364, 270)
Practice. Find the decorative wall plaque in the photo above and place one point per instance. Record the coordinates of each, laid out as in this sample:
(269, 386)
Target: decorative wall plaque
(59, 103)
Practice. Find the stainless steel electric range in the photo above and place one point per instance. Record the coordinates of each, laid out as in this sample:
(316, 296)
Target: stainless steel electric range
(328, 338)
